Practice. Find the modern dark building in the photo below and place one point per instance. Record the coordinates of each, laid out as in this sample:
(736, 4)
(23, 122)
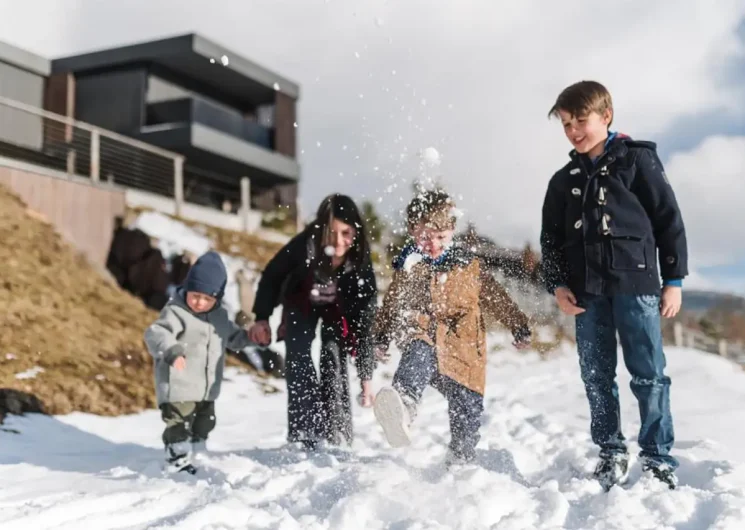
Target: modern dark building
(228, 116)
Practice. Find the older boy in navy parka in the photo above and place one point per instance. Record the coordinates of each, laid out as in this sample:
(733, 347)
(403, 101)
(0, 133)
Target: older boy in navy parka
(606, 215)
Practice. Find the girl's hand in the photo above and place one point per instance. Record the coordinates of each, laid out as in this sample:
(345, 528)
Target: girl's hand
(260, 333)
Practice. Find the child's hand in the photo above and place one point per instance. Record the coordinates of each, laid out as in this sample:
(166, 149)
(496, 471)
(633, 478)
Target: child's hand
(672, 300)
(381, 354)
(180, 363)
(567, 302)
(366, 397)
(522, 338)
(260, 333)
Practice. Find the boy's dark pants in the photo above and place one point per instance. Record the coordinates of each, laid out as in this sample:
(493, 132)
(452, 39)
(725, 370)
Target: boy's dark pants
(417, 370)
(317, 408)
(187, 421)
(637, 320)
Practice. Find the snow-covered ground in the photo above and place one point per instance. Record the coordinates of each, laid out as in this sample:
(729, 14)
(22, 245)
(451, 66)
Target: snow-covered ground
(80, 471)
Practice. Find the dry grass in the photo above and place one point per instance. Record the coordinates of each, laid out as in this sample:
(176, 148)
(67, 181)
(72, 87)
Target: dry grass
(60, 314)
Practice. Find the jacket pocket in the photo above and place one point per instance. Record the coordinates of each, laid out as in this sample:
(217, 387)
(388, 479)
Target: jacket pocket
(628, 253)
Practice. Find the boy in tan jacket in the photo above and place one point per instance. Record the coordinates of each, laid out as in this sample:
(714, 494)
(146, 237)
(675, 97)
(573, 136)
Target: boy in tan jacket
(434, 311)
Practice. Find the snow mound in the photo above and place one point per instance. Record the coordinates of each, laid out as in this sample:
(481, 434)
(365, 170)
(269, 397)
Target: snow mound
(532, 470)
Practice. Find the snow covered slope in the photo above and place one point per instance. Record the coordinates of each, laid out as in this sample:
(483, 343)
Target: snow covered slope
(79, 471)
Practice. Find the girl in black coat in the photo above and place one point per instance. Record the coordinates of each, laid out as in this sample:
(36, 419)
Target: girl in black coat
(324, 273)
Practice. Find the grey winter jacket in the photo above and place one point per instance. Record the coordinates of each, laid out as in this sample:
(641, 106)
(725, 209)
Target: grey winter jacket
(201, 339)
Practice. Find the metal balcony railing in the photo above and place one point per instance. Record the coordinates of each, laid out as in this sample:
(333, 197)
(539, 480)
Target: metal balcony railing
(47, 139)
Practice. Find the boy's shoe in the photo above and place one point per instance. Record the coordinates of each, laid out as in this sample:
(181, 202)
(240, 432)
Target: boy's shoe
(612, 470)
(393, 416)
(177, 458)
(661, 472)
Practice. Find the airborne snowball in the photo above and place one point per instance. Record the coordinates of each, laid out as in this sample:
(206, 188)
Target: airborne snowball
(431, 156)
(328, 250)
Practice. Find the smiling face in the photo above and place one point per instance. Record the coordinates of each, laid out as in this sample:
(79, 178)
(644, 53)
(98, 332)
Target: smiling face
(588, 132)
(340, 238)
(430, 240)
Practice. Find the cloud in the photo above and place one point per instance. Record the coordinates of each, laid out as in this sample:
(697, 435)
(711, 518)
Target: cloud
(382, 80)
(709, 182)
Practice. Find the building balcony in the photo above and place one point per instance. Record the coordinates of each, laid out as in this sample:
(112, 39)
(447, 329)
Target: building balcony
(223, 137)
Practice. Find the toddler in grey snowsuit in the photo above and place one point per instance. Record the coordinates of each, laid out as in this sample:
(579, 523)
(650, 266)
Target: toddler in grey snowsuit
(188, 343)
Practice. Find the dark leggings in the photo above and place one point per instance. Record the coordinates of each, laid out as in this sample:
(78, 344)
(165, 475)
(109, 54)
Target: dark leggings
(317, 408)
(187, 421)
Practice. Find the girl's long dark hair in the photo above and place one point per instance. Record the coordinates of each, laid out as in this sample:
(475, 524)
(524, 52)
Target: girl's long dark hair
(343, 208)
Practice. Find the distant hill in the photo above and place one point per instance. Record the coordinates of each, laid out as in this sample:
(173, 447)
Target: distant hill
(703, 301)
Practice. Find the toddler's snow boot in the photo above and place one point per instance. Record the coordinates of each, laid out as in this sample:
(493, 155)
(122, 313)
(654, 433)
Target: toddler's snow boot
(177, 458)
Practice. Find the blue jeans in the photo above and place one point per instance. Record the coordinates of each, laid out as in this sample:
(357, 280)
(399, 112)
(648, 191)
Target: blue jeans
(416, 371)
(637, 320)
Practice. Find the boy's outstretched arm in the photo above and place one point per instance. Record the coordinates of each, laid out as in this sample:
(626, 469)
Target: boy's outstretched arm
(657, 197)
(497, 302)
(161, 337)
(555, 269)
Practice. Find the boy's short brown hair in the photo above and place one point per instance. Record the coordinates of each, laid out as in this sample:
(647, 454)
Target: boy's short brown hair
(433, 208)
(582, 98)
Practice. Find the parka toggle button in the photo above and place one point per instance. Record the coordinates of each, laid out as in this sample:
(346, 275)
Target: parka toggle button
(605, 225)
(601, 196)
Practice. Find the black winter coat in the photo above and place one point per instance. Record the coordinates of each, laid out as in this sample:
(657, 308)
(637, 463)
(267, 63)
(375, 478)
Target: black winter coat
(285, 280)
(604, 223)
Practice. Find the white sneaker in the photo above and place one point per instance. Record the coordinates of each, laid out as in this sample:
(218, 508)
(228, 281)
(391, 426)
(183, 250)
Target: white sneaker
(393, 416)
